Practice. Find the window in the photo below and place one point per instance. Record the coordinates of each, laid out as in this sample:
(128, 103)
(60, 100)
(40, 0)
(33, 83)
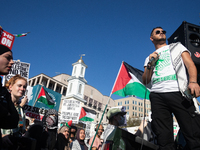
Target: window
(81, 70)
(127, 107)
(133, 102)
(119, 103)
(127, 113)
(139, 108)
(80, 88)
(128, 102)
(135, 107)
(70, 88)
(136, 114)
(125, 102)
(139, 103)
(64, 92)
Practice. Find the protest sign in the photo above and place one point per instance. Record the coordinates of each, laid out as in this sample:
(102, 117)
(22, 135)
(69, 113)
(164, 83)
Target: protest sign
(70, 111)
(20, 68)
(34, 112)
(6, 39)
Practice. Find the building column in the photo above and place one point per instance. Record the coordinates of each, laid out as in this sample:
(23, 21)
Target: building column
(61, 91)
(41, 77)
(47, 86)
(55, 85)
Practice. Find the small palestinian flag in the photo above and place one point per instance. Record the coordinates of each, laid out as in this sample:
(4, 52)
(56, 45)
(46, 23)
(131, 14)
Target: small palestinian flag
(45, 98)
(69, 124)
(21, 35)
(129, 82)
(87, 114)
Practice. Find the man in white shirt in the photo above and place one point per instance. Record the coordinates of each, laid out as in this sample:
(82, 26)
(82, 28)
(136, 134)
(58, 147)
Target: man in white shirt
(166, 95)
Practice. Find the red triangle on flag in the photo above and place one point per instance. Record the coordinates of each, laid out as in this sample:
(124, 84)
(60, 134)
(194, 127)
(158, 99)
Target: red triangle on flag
(122, 79)
(82, 114)
(42, 93)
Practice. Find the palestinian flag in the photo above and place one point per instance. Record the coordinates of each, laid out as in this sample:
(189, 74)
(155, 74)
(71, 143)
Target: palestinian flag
(45, 98)
(87, 114)
(21, 35)
(129, 82)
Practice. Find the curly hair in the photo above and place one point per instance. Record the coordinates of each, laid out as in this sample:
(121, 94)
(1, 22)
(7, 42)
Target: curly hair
(13, 80)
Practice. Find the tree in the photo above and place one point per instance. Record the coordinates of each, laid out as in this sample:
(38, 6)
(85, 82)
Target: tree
(133, 121)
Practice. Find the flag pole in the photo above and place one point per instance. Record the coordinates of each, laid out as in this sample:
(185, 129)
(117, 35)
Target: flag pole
(105, 108)
(100, 120)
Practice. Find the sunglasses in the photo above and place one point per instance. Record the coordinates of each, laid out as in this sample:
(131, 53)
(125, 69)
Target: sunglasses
(158, 32)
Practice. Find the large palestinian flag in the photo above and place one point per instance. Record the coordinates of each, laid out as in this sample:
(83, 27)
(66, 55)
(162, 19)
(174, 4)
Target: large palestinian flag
(45, 98)
(87, 114)
(129, 82)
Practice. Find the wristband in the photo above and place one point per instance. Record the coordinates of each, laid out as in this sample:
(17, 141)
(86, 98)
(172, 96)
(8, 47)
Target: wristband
(193, 82)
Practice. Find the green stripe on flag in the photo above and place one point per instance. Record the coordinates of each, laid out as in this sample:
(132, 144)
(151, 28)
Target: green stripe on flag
(44, 100)
(134, 88)
(86, 119)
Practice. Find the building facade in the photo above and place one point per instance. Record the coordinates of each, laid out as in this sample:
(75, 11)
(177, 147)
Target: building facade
(76, 86)
(135, 107)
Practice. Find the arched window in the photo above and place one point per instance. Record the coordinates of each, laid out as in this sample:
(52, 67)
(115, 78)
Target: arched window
(70, 88)
(79, 89)
(81, 70)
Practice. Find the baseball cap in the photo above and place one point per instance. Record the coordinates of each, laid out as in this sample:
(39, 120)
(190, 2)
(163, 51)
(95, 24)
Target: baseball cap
(114, 111)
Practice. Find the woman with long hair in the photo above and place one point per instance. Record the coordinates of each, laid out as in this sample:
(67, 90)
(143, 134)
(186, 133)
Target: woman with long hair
(79, 143)
(17, 88)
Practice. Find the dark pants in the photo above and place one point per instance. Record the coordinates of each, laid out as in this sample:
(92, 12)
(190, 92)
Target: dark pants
(162, 107)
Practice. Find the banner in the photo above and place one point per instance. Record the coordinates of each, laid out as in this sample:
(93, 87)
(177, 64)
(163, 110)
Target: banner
(33, 94)
(20, 68)
(6, 39)
(70, 111)
(34, 112)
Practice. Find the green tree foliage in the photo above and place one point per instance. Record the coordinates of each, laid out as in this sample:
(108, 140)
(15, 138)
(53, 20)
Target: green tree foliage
(133, 121)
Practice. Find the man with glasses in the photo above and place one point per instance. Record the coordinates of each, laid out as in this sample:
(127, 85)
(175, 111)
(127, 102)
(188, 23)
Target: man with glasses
(165, 68)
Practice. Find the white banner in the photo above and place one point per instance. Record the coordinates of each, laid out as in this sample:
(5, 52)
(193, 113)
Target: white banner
(70, 111)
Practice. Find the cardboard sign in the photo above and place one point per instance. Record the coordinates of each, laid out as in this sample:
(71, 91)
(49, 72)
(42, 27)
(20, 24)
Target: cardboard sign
(20, 68)
(70, 111)
(6, 39)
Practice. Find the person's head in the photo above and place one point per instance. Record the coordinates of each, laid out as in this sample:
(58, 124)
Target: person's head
(158, 35)
(80, 135)
(73, 131)
(100, 130)
(17, 87)
(116, 116)
(6, 60)
(65, 131)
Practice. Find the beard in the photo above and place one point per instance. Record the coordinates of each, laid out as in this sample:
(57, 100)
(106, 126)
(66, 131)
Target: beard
(159, 40)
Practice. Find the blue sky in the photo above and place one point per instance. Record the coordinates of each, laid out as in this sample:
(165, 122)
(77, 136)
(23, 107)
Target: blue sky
(107, 31)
